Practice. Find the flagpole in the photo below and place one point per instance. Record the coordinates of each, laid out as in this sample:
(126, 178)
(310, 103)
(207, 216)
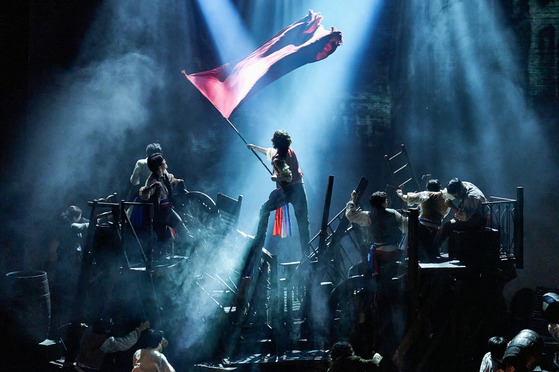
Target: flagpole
(246, 143)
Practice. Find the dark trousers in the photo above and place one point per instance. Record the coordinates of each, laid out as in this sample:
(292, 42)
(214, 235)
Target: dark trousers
(168, 217)
(426, 236)
(476, 222)
(297, 196)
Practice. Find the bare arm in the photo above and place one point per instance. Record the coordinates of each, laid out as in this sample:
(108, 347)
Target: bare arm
(166, 366)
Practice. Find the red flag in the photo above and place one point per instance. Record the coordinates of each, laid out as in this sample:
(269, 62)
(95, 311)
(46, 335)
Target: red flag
(303, 42)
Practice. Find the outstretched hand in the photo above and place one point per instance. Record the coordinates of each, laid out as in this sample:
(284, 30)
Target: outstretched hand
(354, 196)
(143, 326)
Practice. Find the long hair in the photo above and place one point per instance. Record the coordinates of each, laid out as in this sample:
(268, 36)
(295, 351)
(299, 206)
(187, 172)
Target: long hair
(281, 141)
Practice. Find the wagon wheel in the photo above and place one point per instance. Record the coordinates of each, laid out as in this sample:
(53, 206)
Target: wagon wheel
(198, 211)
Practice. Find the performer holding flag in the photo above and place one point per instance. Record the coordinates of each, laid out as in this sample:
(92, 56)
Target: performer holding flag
(289, 189)
(226, 87)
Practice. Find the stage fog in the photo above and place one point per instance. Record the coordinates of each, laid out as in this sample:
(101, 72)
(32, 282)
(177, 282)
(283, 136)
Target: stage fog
(458, 83)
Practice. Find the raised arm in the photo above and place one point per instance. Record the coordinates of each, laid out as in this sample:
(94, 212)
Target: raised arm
(401, 195)
(114, 344)
(263, 150)
(353, 214)
(269, 152)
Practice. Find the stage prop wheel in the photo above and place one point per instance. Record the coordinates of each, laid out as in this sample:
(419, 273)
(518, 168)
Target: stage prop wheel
(198, 211)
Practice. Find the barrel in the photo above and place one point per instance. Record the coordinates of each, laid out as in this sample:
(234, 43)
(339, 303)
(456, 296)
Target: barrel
(524, 350)
(550, 307)
(28, 298)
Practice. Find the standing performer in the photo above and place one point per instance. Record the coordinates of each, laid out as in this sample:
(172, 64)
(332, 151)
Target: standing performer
(289, 189)
(159, 190)
(433, 210)
(386, 227)
(141, 171)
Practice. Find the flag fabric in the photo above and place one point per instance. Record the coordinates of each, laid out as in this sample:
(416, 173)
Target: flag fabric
(304, 41)
(282, 223)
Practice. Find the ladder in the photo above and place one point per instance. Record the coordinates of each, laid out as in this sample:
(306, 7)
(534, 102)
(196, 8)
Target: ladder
(401, 169)
(326, 245)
